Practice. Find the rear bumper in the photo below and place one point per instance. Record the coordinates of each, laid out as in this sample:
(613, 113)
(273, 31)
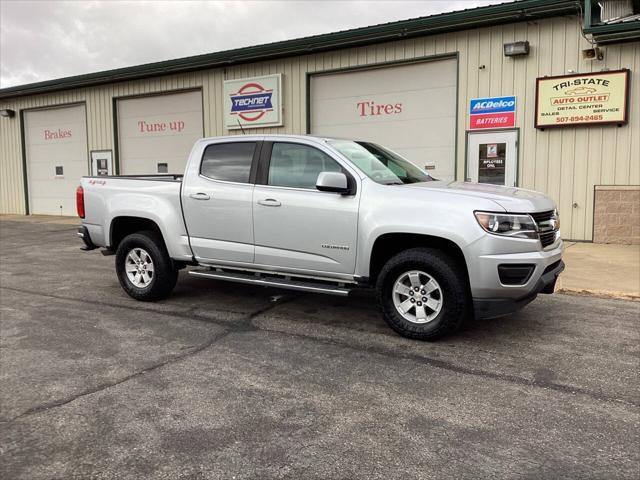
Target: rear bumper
(83, 233)
(495, 307)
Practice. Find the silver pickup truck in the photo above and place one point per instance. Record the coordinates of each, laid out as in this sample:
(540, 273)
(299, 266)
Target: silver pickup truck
(328, 215)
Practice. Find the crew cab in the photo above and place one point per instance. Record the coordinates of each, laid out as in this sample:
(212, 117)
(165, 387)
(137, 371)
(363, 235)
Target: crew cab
(328, 215)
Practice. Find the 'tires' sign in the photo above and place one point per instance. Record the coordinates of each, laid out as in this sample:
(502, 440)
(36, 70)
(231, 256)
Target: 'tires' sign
(373, 109)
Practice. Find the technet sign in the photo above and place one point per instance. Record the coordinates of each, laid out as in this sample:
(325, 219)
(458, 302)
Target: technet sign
(494, 112)
(253, 102)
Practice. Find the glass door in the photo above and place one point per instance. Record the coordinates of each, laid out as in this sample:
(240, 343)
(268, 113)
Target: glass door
(492, 157)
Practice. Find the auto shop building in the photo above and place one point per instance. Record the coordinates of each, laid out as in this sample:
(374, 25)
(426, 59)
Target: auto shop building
(540, 94)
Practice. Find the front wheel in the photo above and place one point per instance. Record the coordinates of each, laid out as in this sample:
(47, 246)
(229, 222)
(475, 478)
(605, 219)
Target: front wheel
(423, 294)
(144, 268)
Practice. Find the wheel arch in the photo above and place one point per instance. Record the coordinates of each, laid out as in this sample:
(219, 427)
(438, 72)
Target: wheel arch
(387, 245)
(124, 225)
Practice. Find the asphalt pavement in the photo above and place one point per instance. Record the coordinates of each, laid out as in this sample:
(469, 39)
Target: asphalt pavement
(232, 381)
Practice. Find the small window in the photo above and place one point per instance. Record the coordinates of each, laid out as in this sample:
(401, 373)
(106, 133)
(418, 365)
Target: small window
(230, 162)
(163, 168)
(59, 171)
(298, 166)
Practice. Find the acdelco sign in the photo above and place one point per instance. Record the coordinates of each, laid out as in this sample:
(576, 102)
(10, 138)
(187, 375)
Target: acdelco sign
(493, 112)
(253, 102)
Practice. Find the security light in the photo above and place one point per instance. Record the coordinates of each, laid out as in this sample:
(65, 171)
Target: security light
(516, 48)
(7, 113)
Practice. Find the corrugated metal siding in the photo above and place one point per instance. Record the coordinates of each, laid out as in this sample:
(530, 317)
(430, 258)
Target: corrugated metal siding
(565, 163)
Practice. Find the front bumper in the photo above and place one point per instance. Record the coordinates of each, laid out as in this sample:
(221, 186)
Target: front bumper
(495, 307)
(492, 297)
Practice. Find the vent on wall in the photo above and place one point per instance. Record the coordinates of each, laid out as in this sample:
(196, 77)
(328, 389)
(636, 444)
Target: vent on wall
(613, 9)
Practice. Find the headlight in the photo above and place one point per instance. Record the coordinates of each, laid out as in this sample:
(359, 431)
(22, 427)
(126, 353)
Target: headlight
(509, 225)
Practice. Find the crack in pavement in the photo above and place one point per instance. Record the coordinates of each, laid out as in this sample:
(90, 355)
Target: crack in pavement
(452, 367)
(104, 386)
(136, 306)
(247, 325)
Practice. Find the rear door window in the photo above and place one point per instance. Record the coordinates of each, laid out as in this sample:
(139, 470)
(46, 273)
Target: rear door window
(229, 162)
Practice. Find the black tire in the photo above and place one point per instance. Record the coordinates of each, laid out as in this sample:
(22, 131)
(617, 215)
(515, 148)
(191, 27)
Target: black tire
(453, 284)
(165, 273)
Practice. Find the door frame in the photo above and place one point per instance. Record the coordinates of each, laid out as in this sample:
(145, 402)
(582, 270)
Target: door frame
(492, 130)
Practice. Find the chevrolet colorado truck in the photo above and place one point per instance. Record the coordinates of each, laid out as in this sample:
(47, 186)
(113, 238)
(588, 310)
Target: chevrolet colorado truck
(328, 215)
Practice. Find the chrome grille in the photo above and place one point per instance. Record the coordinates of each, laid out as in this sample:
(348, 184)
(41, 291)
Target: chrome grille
(542, 216)
(547, 239)
(547, 227)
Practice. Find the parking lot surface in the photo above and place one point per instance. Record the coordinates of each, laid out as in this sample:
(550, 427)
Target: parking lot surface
(231, 381)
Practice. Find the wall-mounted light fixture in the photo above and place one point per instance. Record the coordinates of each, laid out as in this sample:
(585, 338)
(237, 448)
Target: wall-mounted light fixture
(592, 54)
(7, 113)
(516, 49)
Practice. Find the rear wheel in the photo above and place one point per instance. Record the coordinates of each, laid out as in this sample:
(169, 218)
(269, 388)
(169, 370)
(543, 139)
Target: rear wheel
(144, 268)
(423, 294)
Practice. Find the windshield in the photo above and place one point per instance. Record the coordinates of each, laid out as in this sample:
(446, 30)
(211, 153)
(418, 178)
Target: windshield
(380, 164)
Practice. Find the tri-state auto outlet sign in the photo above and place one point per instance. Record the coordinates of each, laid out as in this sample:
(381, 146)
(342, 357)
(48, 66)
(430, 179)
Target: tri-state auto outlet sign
(492, 112)
(587, 99)
(253, 102)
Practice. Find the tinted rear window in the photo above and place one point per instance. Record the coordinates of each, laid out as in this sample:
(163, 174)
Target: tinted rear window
(230, 162)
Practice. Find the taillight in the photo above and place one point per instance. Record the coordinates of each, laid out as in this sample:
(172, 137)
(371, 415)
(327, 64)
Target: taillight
(80, 201)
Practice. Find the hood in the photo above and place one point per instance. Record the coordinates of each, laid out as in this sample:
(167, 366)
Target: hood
(512, 199)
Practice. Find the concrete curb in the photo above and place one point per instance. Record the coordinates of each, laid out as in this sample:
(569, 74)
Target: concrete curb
(599, 293)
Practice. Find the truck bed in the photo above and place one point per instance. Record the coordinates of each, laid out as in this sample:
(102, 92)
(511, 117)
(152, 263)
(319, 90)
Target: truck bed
(153, 197)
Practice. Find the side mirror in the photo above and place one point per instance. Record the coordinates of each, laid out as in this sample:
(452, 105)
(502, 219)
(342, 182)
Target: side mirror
(332, 182)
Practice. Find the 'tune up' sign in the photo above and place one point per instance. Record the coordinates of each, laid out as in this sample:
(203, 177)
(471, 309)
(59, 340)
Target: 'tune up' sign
(492, 112)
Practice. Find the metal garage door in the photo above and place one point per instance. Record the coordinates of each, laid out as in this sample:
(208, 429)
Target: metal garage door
(155, 134)
(56, 151)
(409, 108)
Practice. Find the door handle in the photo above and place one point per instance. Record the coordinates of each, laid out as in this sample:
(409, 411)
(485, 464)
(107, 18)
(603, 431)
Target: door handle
(269, 202)
(200, 196)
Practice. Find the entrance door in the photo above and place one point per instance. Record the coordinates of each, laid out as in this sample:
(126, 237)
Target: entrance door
(101, 163)
(493, 157)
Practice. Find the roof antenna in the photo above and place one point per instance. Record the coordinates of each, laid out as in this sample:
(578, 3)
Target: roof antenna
(240, 125)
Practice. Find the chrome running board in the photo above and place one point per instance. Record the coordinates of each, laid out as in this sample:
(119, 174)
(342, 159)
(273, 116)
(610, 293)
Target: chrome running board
(270, 281)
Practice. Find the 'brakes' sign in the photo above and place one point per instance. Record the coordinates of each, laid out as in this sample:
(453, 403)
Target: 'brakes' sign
(253, 102)
(492, 112)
